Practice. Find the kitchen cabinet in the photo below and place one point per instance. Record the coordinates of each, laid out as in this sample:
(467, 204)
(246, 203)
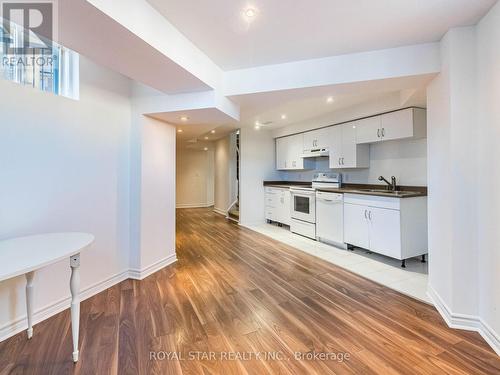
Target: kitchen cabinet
(289, 152)
(385, 232)
(315, 139)
(344, 152)
(395, 227)
(281, 153)
(278, 205)
(356, 227)
(368, 130)
(406, 123)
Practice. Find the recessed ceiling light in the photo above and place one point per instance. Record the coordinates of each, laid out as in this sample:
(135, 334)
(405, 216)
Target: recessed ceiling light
(179, 130)
(250, 13)
(283, 117)
(205, 149)
(329, 99)
(206, 137)
(184, 118)
(213, 132)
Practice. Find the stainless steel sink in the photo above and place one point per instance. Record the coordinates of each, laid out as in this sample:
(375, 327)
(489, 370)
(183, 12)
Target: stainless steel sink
(388, 192)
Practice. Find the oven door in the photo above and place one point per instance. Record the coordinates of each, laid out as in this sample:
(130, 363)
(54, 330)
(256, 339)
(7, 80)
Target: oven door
(304, 205)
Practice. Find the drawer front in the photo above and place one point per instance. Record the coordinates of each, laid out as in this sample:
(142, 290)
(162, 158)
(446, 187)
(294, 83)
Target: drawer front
(373, 201)
(273, 200)
(271, 213)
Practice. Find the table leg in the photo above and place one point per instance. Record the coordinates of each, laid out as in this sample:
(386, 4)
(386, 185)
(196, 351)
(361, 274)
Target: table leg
(29, 302)
(75, 302)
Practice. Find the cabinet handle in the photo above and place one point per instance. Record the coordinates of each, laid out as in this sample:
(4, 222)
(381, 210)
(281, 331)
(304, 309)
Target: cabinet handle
(370, 215)
(378, 133)
(343, 161)
(383, 132)
(365, 214)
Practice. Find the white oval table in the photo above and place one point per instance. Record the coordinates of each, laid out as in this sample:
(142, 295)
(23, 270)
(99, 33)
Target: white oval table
(25, 255)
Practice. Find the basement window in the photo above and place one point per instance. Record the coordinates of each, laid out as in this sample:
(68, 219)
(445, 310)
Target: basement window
(54, 70)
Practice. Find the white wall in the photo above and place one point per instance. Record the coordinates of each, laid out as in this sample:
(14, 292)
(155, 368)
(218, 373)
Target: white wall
(64, 167)
(157, 245)
(195, 178)
(452, 174)
(488, 200)
(464, 133)
(222, 175)
(257, 162)
(94, 165)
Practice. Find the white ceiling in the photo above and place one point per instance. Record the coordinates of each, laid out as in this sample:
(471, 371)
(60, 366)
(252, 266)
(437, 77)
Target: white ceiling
(302, 104)
(298, 105)
(290, 30)
(200, 124)
(88, 31)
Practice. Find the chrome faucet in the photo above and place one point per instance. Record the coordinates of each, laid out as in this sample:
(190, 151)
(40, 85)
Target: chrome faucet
(390, 185)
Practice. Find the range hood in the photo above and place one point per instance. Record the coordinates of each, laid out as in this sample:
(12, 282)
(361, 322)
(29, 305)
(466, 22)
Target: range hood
(315, 153)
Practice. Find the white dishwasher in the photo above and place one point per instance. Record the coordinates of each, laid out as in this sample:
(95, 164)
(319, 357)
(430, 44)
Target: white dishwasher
(330, 217)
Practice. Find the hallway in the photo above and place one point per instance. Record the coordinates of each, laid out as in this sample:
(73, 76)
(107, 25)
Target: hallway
(240, 296)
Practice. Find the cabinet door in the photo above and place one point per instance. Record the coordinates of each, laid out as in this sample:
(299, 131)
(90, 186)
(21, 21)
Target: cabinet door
(295, 150)
(285, 214)
(397, 125)
(356, 227)
(349, 145)
(316, 139)
(335, 146)
(385, 231)
(368, 130)
(271, 213)
(281, 153)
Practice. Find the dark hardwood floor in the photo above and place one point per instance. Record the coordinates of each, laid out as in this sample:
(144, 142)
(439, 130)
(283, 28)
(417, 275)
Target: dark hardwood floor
(235, 292)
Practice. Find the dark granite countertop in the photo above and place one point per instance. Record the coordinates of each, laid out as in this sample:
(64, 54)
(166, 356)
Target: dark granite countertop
(363, 189)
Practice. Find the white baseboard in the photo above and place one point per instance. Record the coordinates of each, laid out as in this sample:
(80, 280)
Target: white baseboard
(145, 272)
(12, 328)
(465, 322)
(194, 205)
(21, 324)
(219, 211)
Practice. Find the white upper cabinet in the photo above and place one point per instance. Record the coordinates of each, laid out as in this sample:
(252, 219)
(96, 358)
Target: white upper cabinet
(289, 152)
(344, 152)
(281, 153)
(349, 143)
(335, 146)
(368, 130)
(406, 123)
(316, 139)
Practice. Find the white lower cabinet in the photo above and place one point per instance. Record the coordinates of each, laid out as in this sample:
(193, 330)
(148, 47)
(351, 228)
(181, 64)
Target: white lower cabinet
(278, 205)
(385, 231)
(395, 227)
(356, 228)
